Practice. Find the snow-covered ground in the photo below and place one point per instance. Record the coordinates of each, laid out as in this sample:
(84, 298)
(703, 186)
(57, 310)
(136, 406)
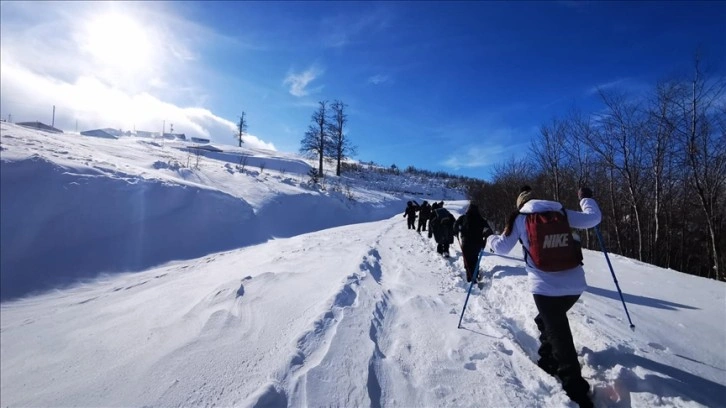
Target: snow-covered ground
(131, 278)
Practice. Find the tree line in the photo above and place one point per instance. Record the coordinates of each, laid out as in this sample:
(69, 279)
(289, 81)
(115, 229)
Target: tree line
(657, 166)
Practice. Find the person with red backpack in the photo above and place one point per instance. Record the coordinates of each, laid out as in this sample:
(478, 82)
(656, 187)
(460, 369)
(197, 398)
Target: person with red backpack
(553, 261)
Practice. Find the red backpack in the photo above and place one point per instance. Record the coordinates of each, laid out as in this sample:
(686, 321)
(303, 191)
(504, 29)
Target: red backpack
(551, 245)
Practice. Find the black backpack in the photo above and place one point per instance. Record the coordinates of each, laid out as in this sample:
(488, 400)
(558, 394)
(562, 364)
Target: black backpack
(474, 228)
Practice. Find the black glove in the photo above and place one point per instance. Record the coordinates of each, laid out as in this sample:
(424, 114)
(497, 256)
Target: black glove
(584, 192)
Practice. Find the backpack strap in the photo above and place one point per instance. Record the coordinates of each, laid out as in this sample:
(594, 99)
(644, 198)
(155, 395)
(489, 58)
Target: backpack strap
(526, 253)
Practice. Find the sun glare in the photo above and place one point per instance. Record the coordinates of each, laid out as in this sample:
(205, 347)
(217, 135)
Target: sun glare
(119, 41)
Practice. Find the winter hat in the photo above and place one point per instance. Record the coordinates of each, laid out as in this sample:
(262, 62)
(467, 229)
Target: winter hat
(524, 196)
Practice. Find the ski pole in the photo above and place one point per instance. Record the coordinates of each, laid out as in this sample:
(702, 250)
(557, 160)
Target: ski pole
(602, 246)
(476, 275)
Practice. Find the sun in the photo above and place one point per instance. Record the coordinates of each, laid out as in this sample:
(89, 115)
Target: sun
(117, 40)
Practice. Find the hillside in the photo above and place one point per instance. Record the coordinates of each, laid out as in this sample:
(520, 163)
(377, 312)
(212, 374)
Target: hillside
(130, 279)
(77, 206)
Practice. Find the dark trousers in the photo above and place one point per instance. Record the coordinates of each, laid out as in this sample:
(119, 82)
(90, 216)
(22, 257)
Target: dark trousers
(411, 222)
(442, 249)
(421, 224)
(471, 255)
(557, 351)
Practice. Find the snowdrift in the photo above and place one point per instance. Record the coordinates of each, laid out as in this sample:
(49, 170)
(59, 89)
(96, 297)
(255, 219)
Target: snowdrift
(76, 207)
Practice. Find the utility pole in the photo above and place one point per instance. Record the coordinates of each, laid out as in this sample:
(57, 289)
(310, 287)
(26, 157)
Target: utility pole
(52, 123)
(76, 125)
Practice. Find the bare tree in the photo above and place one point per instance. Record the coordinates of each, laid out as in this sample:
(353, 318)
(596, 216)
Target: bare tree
(549, 152)
(340, 147)
(317, 140)
(706, 152)
(659, 155)
(618, 143)
(242, 128)
(508, 177)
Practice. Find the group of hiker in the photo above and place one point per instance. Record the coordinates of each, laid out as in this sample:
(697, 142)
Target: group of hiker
(471, 229)
(553, 261)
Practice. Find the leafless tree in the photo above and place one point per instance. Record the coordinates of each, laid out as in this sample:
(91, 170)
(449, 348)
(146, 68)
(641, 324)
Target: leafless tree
(317, 140)
(242, 128)
(618, 142)
(549, 153)
(340, 147)
(706, 152)
(659, 154)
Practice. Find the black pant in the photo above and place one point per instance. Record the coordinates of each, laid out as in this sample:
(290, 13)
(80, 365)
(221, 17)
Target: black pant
(557, 351)
(411, 222)
(442, 249)
(471, 256)
(421, 224)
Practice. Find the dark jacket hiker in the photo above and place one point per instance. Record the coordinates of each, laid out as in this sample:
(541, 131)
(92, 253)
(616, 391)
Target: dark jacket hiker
(434, 206)
(442, 225)
(410, 213)
(424, 214)
(474, 230)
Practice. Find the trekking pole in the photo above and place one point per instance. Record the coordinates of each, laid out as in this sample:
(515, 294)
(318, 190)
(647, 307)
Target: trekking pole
(602, 246)
(476, 275)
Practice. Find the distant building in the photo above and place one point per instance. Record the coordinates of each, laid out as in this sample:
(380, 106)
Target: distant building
(39, 126)
(172, 136)
(208, 148)
(103, 133)
(144, 133)
(200, 140)
(114, 132)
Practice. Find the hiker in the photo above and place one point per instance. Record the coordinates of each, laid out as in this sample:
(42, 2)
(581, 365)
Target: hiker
(442, 225)
(474, 231)
(556, 277)
(423, 216)
(411, 214)
(434, 206)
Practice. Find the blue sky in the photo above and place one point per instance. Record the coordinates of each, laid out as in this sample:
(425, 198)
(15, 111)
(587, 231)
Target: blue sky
(452, 86)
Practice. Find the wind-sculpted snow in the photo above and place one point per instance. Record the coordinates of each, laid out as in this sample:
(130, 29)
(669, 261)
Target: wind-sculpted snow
(75, 208)
(66, 224)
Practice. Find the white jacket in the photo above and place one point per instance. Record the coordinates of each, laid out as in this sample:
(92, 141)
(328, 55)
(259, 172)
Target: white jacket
(568, 282)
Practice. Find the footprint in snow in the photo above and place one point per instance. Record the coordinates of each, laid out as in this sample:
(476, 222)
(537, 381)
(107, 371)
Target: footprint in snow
(501, 347)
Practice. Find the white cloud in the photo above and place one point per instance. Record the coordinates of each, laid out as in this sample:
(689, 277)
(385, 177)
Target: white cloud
(343, 30)
(89, 103)
(607, 85)
(475, 156)
(491, 151)
(299, 81)
(106, 65)
(378, 79)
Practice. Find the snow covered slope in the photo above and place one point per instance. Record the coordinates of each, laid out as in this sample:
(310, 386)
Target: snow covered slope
(358, 312)
(76, 206)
